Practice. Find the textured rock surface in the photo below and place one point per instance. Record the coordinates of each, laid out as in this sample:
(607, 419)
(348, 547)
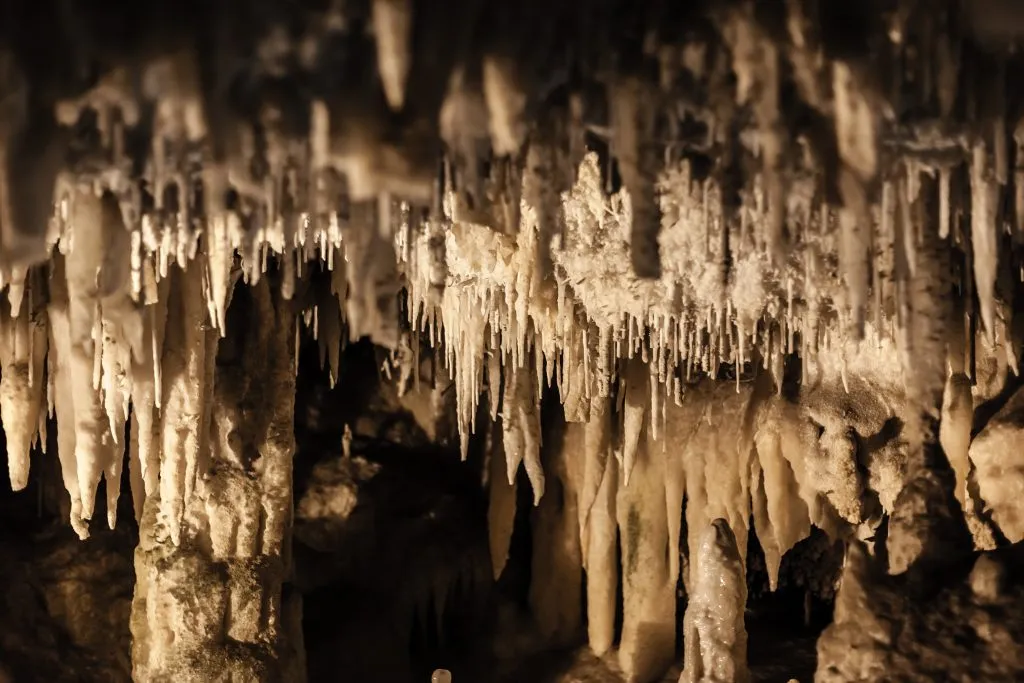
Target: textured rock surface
(65, 617)
(962, 625)
(998, 457)
(715, 637)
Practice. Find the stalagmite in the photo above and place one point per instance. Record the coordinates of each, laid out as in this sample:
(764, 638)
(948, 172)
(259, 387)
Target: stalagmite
(647, 645)
(999, 468)
(853, 614)
(955, 428)
(555, 577)
(714, 634)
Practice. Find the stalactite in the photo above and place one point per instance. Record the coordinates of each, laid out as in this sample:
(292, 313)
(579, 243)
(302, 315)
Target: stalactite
(984, 234)
(372, 308)
(183, 369)
(785, 520)
(637, 397)
(62, 398)
(392, 27)
(671, 448)
(506, 104)
(463, 127)
(116, 390)
(716, 465)
(84, 260)
(632, 129)
(501, 510)
(521, 429)
(23, 349)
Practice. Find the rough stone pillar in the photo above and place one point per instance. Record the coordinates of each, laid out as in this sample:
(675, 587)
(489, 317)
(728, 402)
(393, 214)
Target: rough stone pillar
(209, 607)
(927, 525)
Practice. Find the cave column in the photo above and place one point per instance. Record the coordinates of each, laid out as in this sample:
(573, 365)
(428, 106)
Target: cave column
(927, 525)
(210, 600)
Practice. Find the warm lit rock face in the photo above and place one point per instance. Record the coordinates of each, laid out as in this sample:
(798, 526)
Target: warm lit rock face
(767, 255)
(67, 617)
(960, 626)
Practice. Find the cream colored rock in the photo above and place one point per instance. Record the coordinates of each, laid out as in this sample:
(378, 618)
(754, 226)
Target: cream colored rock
(714, 635)
(999, 467)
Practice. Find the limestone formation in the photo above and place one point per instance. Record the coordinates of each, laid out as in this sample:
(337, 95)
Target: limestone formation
(761, 260)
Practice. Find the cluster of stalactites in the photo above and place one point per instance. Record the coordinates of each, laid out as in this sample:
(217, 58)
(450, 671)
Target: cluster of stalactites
(194, 166)
(688, 271)
(475, 291)
(164, 123)
(115, 337)
(719, 301)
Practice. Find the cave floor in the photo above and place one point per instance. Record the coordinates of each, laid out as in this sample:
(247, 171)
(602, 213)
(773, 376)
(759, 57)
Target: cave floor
(776, 656)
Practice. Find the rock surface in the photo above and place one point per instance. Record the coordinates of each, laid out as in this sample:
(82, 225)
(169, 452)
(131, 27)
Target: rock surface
(64, 616)
(998, 457)
(963, 625)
